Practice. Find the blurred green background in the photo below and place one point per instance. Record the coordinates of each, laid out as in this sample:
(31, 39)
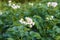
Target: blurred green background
(46, 19)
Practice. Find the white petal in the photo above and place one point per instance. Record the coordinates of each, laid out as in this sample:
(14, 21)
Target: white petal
(33, 23)
(21, 20)
(30, 26)
(52, 16)
(54, 4)
(29, 20)
(0, 13)
(48, 4)
(9, 1)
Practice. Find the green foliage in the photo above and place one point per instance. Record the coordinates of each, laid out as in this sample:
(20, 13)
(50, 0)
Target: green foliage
(44, 29)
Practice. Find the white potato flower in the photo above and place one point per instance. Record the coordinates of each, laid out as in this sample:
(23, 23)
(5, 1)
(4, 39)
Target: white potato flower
(28, 21)
(53, 4)
(31, 4)
(15, 6)
(50, 18)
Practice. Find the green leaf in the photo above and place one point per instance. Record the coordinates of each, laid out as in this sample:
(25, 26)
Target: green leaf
(1, 22)
(35, 34)
(10, 39)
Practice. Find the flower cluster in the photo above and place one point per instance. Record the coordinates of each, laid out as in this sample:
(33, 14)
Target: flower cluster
(53, 4)
(50, 18)
(14, 6)
(28, 21)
